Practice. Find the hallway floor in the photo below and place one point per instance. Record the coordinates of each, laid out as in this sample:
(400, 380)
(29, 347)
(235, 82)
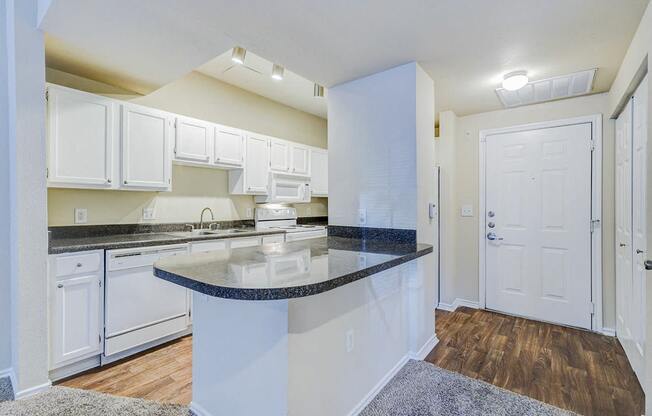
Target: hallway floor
(568, 368)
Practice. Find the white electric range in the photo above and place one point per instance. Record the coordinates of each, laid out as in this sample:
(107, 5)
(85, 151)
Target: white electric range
(285, 219)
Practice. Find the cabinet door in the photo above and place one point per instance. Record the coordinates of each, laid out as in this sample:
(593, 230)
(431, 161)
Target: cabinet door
(81, 135)
(319, 170)
(75, 329)
(146, 161)
(279, 156)
(257, 165)
(300, 160)
(229, 147)
(193, 140)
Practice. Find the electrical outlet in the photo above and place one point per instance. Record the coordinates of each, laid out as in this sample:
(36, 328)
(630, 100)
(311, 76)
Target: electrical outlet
(467, 210)
(81, 215)
(362, 216)
(349, 341)
(249, 213)
(148, 213)
(362, 261)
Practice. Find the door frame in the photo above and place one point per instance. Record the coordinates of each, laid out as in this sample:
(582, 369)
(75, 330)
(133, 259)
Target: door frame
(596, 207)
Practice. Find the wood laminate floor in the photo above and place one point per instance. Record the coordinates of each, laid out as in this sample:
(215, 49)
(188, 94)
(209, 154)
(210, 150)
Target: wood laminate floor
(568, 368)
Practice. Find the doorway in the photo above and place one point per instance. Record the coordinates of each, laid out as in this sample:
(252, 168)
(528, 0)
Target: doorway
(540, 240)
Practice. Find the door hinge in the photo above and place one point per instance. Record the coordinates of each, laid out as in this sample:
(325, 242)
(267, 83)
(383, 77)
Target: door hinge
(595, 224)
(47, 173)
(592, 145)
(99, 336)
(47, 95)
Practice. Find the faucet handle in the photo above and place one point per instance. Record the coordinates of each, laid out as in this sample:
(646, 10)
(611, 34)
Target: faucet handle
(216, 224)
(191, 226)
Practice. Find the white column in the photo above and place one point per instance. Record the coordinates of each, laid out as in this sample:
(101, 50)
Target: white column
(23, 202)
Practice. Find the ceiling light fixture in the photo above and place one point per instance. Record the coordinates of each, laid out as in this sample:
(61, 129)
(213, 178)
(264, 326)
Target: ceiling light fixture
(277, 72)
(238, 55)
(318, 90)
(515, 80)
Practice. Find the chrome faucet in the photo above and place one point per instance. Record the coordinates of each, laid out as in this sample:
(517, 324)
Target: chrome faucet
(201, 218)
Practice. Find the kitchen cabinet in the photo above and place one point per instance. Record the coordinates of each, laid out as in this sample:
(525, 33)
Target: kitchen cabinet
(273, 239)
(319, 171)
(279, 156)
(254, 178)
(146, 161)
(82, 132)
(193, 140)
(229, 147)
(206, 246)
(300, 159)
(76, 299)
(244, 242)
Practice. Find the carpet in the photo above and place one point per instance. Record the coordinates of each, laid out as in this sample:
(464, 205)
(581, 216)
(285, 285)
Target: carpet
(74, 402)
(423, 389)
(6, 391)
(419, 389)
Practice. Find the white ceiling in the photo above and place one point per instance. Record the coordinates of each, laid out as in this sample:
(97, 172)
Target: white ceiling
(465, 45)
(255, 76)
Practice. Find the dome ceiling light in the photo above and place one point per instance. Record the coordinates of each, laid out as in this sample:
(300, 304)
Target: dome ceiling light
(515, 80)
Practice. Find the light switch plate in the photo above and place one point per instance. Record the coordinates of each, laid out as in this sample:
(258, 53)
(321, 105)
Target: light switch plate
(467, 210)
(148, 213)
(81, 215)
(249, 213)
(362, 216)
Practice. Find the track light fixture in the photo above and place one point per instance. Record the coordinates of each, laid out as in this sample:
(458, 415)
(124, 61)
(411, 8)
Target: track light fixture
(238, 55)
(277, 72)
(318, 90)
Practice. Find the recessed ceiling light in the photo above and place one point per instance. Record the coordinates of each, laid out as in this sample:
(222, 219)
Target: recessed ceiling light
(318, 90)
(515, 80)
(238, 55)
(277, 72)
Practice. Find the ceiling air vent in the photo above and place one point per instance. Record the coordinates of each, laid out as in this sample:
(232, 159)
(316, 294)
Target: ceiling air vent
(565, 86)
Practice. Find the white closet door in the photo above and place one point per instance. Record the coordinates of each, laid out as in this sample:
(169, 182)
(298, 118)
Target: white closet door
(538, 208)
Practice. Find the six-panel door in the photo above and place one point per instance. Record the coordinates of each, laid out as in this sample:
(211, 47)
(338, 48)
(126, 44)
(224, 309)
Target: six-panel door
(81, 133)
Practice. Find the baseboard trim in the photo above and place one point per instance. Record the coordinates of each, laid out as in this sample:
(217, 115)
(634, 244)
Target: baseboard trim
(9, 373)
(378, 387)
(197, 410)
(610, 332)
(451, 307)
(32, 390)
(425, 349)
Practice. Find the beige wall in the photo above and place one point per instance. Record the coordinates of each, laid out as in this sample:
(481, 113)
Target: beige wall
(458, 153)
(193, 188)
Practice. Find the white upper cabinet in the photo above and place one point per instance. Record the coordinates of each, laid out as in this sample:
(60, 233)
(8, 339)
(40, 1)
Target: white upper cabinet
(279, 156)
(257, 165)
(82, 131)
(300, 160)
(146, 161)
(229, 147)
(319, 171)
(193, 140)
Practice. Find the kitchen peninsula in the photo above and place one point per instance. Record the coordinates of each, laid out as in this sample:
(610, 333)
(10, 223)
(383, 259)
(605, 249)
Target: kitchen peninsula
(308, 327)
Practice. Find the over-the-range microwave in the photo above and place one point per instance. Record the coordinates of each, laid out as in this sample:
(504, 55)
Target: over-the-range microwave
(286, 188)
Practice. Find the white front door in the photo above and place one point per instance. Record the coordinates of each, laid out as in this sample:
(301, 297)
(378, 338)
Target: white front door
(631, 244)
(538, 217)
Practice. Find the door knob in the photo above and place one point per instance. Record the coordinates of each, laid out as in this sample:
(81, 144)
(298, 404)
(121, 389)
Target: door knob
(623, 245)
(639, 251)
(492, 236)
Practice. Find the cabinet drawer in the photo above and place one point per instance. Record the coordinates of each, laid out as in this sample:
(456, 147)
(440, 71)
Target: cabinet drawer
(204, 246)
(271, 239)
(77, 264)
(245, 242)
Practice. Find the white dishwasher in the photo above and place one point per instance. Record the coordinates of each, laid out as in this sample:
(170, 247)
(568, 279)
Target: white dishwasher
(140, 308)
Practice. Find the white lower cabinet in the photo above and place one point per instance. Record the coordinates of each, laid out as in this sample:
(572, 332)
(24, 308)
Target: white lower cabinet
(272, 239)
(76, 307)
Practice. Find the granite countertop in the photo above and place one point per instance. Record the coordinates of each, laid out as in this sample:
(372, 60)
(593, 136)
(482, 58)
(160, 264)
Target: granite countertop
(285, 270)
(117, 241)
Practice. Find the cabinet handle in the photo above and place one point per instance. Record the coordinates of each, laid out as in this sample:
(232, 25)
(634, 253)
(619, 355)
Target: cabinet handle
(59, 285)
(639, 251)
(79, 265)
(125, 182)
(108, 181)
